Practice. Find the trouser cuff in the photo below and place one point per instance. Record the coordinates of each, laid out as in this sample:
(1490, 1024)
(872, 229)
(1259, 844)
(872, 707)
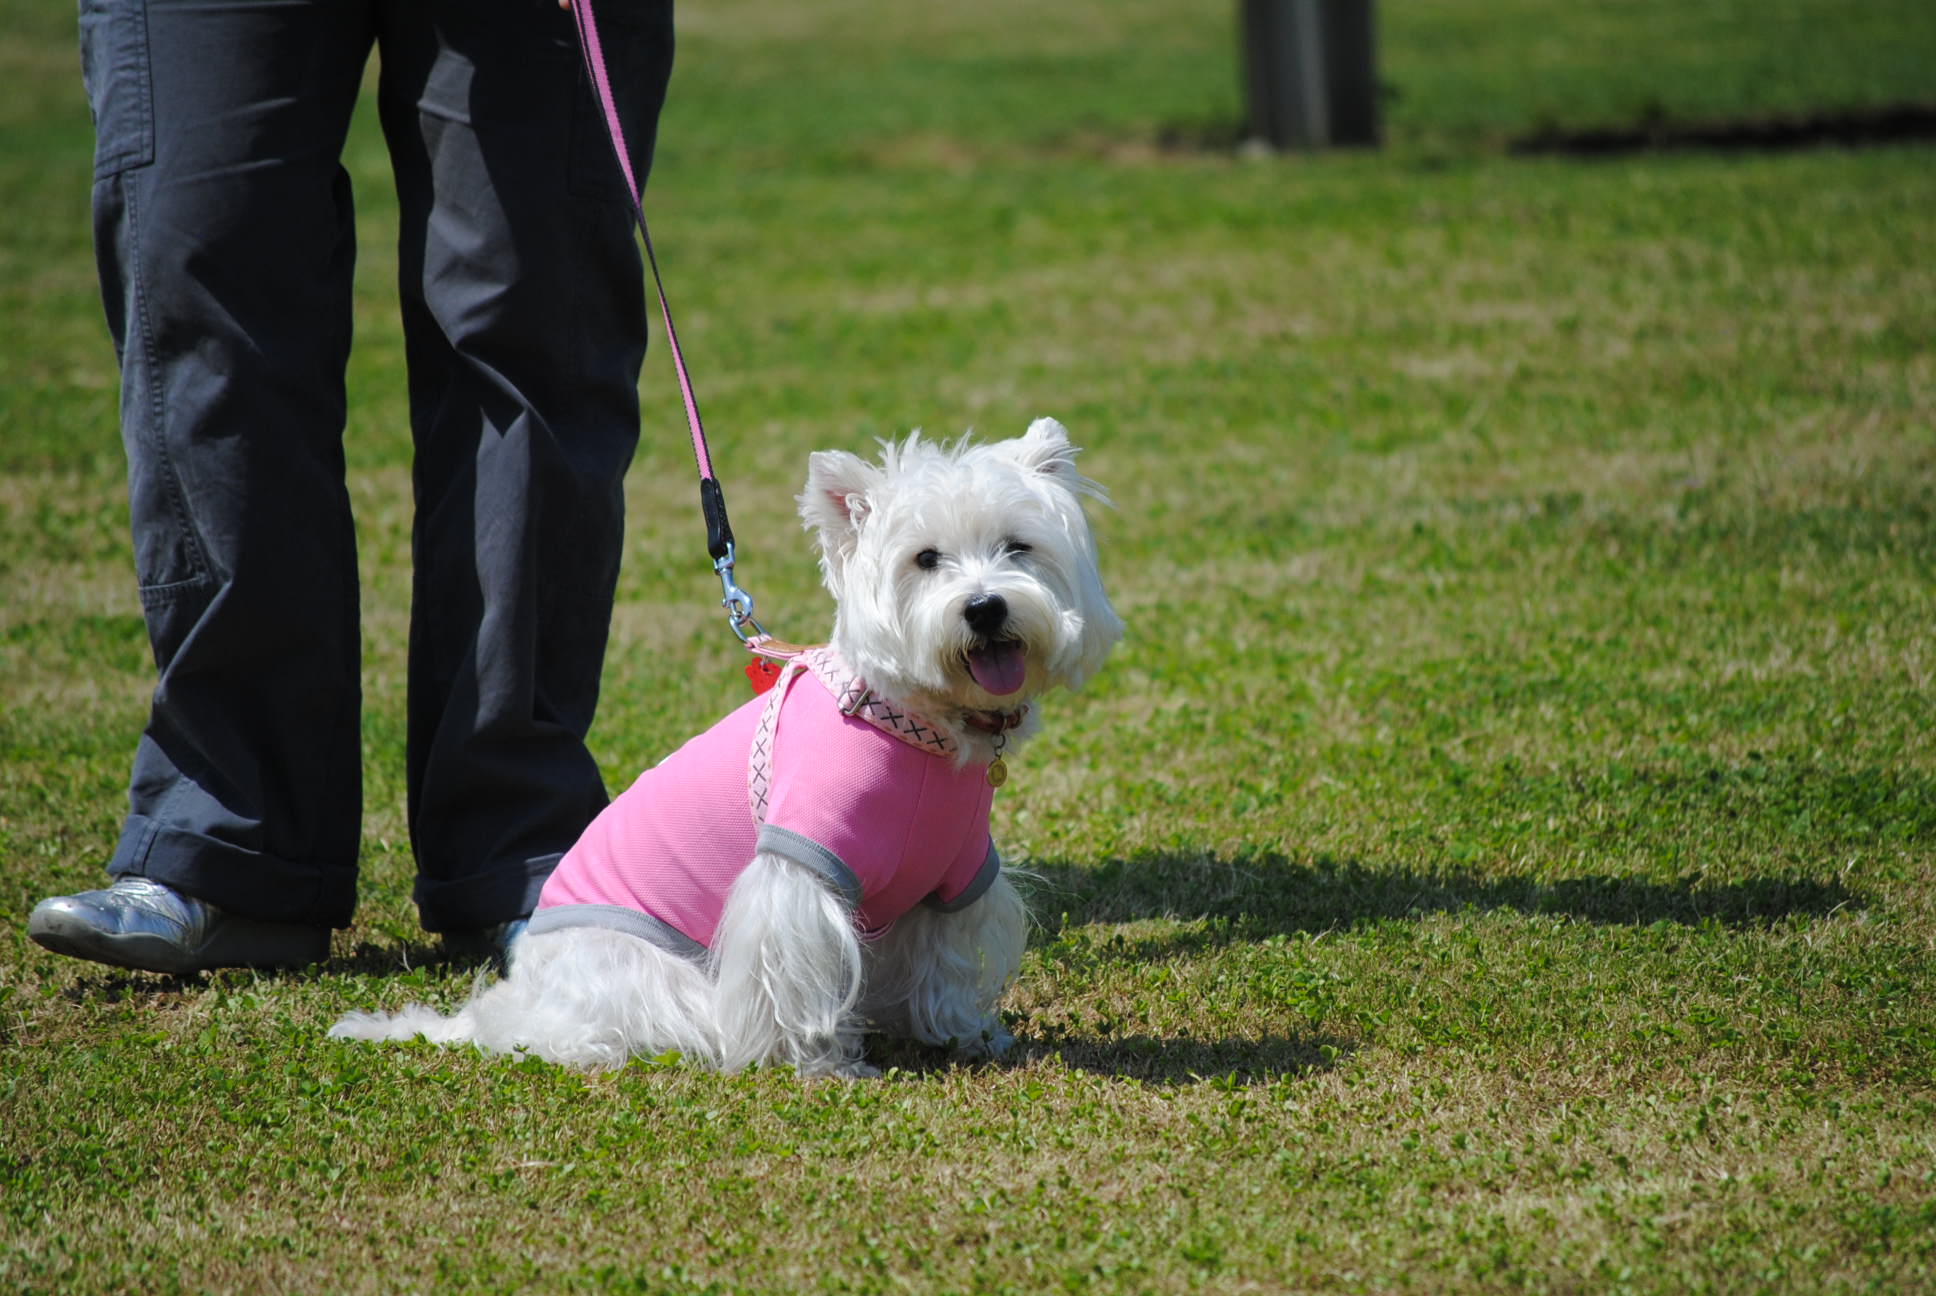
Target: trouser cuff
(483, 899)
(233, 878)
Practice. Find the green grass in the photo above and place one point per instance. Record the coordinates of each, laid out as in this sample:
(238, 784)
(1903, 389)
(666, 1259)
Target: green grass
(1498, 859)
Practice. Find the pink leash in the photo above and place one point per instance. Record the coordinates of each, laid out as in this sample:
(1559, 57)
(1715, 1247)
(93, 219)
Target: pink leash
(712, 503)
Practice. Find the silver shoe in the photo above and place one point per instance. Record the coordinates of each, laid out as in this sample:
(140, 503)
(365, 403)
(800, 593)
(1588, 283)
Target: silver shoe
(140, 923)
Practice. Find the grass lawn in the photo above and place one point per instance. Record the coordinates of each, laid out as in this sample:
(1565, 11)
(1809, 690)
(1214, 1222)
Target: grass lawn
(1498, 859)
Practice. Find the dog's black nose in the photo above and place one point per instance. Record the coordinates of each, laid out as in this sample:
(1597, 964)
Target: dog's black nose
(985, 614)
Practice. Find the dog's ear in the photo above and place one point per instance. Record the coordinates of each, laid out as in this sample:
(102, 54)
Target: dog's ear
(1045, 448)
(835, 500)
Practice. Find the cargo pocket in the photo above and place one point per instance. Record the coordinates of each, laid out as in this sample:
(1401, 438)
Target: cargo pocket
(120, 91)
(172, 612)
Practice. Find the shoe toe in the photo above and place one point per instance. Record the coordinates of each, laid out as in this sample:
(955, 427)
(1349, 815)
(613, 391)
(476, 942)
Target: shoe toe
(58, 917)
(70, 925)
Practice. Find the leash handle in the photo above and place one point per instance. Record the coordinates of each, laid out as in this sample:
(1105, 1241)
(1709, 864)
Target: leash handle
(712, 501)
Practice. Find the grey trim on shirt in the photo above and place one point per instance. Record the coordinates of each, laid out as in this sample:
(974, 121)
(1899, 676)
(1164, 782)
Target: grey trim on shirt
(632, 922)
(975, 890)
(804, 851)
(810, 854)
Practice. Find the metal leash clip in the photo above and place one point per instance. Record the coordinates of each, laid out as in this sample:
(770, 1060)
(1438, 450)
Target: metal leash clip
(737, 602)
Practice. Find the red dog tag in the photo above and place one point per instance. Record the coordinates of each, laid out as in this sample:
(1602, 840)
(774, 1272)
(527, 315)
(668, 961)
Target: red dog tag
(761, 672)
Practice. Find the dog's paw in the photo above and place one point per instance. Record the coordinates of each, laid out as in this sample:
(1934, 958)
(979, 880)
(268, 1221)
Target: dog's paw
(993, 1041)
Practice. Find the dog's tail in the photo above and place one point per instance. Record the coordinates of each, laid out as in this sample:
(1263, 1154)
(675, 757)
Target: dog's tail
(412, 1021)
(586, 997)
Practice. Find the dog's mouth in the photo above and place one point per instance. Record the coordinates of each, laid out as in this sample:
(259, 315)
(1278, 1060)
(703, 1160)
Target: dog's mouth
(999, 666)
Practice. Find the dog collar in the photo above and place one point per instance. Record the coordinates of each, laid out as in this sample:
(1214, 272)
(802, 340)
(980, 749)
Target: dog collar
(856, 699)
(994, 722)
(996, 725)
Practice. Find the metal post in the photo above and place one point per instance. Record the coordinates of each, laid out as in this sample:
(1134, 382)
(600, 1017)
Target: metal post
(1310, 72)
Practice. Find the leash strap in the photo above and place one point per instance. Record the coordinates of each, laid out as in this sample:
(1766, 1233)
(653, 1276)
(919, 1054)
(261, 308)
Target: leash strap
(712, 502)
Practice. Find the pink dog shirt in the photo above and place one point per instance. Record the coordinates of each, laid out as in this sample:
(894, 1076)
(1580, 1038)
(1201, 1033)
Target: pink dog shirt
(818, 771)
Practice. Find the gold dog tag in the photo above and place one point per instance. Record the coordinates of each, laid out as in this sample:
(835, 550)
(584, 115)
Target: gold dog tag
(997, 772)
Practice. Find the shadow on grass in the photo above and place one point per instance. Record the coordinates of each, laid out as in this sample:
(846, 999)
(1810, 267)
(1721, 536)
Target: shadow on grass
(1188, 1061)
(371, 959)
(1653, 131)
(1165, 1061)
(1269, 894)
(115, 984)
(112, 985)
(1656, 132)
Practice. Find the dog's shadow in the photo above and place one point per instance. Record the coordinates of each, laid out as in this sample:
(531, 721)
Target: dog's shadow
(1165, 1062)
(1213, 902)
(1218, 900)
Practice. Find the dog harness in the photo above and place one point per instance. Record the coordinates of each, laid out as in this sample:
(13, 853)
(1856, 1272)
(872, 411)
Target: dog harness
(817, 770)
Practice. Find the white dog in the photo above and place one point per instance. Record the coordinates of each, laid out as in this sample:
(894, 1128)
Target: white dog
(818, 863)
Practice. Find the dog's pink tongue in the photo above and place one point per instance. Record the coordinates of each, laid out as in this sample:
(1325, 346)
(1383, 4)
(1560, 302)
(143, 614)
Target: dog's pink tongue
(1000, 669)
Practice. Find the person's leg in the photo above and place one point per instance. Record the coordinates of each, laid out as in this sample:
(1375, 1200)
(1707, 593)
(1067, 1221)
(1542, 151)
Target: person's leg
(225, 268)
(525, 327)
(224, 242)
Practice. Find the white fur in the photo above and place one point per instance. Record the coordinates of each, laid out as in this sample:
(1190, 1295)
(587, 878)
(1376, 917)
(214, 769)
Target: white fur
(788, 979)
(901, 626)
(935, 977)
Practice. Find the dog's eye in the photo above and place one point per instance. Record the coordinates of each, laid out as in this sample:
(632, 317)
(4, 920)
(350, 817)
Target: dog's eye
(928, 559)
(1013, 548)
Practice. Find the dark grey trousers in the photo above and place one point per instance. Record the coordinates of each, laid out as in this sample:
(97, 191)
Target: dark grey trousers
(224, 235)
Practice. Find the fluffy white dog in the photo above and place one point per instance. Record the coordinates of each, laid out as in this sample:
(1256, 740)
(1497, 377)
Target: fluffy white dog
(818, 863)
